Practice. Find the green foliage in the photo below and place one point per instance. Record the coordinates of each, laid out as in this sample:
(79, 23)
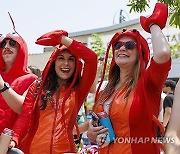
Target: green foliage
(138, 5)
(97, 44)
(175, 50)
(174, 7)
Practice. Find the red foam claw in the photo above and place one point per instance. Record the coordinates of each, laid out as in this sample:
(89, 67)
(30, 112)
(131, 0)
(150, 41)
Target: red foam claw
(46, 42)
(52, 38)
(159, 17)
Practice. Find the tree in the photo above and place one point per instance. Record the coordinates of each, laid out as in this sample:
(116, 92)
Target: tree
(175, 49)
(140, 6)
(97, 44)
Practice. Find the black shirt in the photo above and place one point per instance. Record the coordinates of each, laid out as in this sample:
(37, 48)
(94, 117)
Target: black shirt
(168, 101)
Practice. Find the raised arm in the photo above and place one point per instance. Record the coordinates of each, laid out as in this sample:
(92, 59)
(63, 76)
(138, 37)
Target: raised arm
(154, 24)
(89, 68)
(161, 49)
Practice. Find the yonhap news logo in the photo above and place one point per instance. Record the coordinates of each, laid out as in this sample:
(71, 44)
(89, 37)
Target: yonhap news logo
(143, 140)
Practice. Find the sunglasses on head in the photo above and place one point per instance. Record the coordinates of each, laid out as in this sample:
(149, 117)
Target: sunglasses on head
(12, 43)
(128, 45)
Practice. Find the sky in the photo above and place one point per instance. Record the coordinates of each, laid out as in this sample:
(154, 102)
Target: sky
(35, 17)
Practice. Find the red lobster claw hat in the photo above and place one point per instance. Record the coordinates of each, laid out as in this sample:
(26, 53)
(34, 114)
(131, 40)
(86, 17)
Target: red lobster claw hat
(143, 51)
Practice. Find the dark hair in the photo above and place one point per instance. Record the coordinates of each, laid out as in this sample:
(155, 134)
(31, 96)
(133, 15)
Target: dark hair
(51, 83)
(171, 84)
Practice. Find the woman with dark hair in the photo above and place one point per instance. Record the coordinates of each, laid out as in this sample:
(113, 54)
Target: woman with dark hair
(51, 105)
(131, 98)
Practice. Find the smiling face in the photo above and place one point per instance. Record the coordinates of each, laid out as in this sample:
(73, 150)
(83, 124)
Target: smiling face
(126, 56)
(10, 50)
(65, 65)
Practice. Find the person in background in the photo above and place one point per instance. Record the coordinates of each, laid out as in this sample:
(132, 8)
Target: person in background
(173, 129)
(51, 105)
(132, 96)
(35, 70)
(168, 89)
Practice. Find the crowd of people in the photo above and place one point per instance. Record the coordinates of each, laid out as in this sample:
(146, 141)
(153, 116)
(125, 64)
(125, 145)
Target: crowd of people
(45, 109)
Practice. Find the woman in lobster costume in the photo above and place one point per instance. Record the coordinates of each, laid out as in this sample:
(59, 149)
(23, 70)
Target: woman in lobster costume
(132, 95)
(51, 106)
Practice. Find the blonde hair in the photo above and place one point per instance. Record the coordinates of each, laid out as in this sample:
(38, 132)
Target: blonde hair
(130, 82)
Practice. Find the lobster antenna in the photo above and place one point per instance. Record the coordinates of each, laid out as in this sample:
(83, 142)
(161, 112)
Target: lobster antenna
(13, 24)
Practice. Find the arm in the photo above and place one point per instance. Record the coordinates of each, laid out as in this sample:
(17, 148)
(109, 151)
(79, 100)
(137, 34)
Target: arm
(167, 114)
(66, 41)
(161, 49)
(174, 126)
(154, 24)
(25, 119)
(167, 105)
(13, 99)
(89, 69)
(157, 72)
(94, 85)
(15, 96)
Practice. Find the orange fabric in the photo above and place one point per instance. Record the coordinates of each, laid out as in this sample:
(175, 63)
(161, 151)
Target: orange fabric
(57, 139)
(119, 110)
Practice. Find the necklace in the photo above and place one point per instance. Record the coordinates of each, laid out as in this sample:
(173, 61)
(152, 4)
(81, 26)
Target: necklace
(55, 104)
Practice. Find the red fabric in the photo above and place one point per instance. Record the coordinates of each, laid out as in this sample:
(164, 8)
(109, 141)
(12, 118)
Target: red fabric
(145, 104)
(19, 79)
(30, 108)
(159, 17)
(52, 38)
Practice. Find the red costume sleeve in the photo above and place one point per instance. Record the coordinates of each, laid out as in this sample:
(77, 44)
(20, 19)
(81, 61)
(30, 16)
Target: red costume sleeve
(25, 119)
(154, 78)
(89, 69)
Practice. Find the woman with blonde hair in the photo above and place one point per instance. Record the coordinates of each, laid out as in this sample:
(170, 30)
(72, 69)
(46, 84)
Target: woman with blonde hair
(132, 96)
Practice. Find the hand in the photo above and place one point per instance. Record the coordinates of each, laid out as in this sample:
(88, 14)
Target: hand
(93, 132)
(102, 140)
(159, 17)
(52, 38)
